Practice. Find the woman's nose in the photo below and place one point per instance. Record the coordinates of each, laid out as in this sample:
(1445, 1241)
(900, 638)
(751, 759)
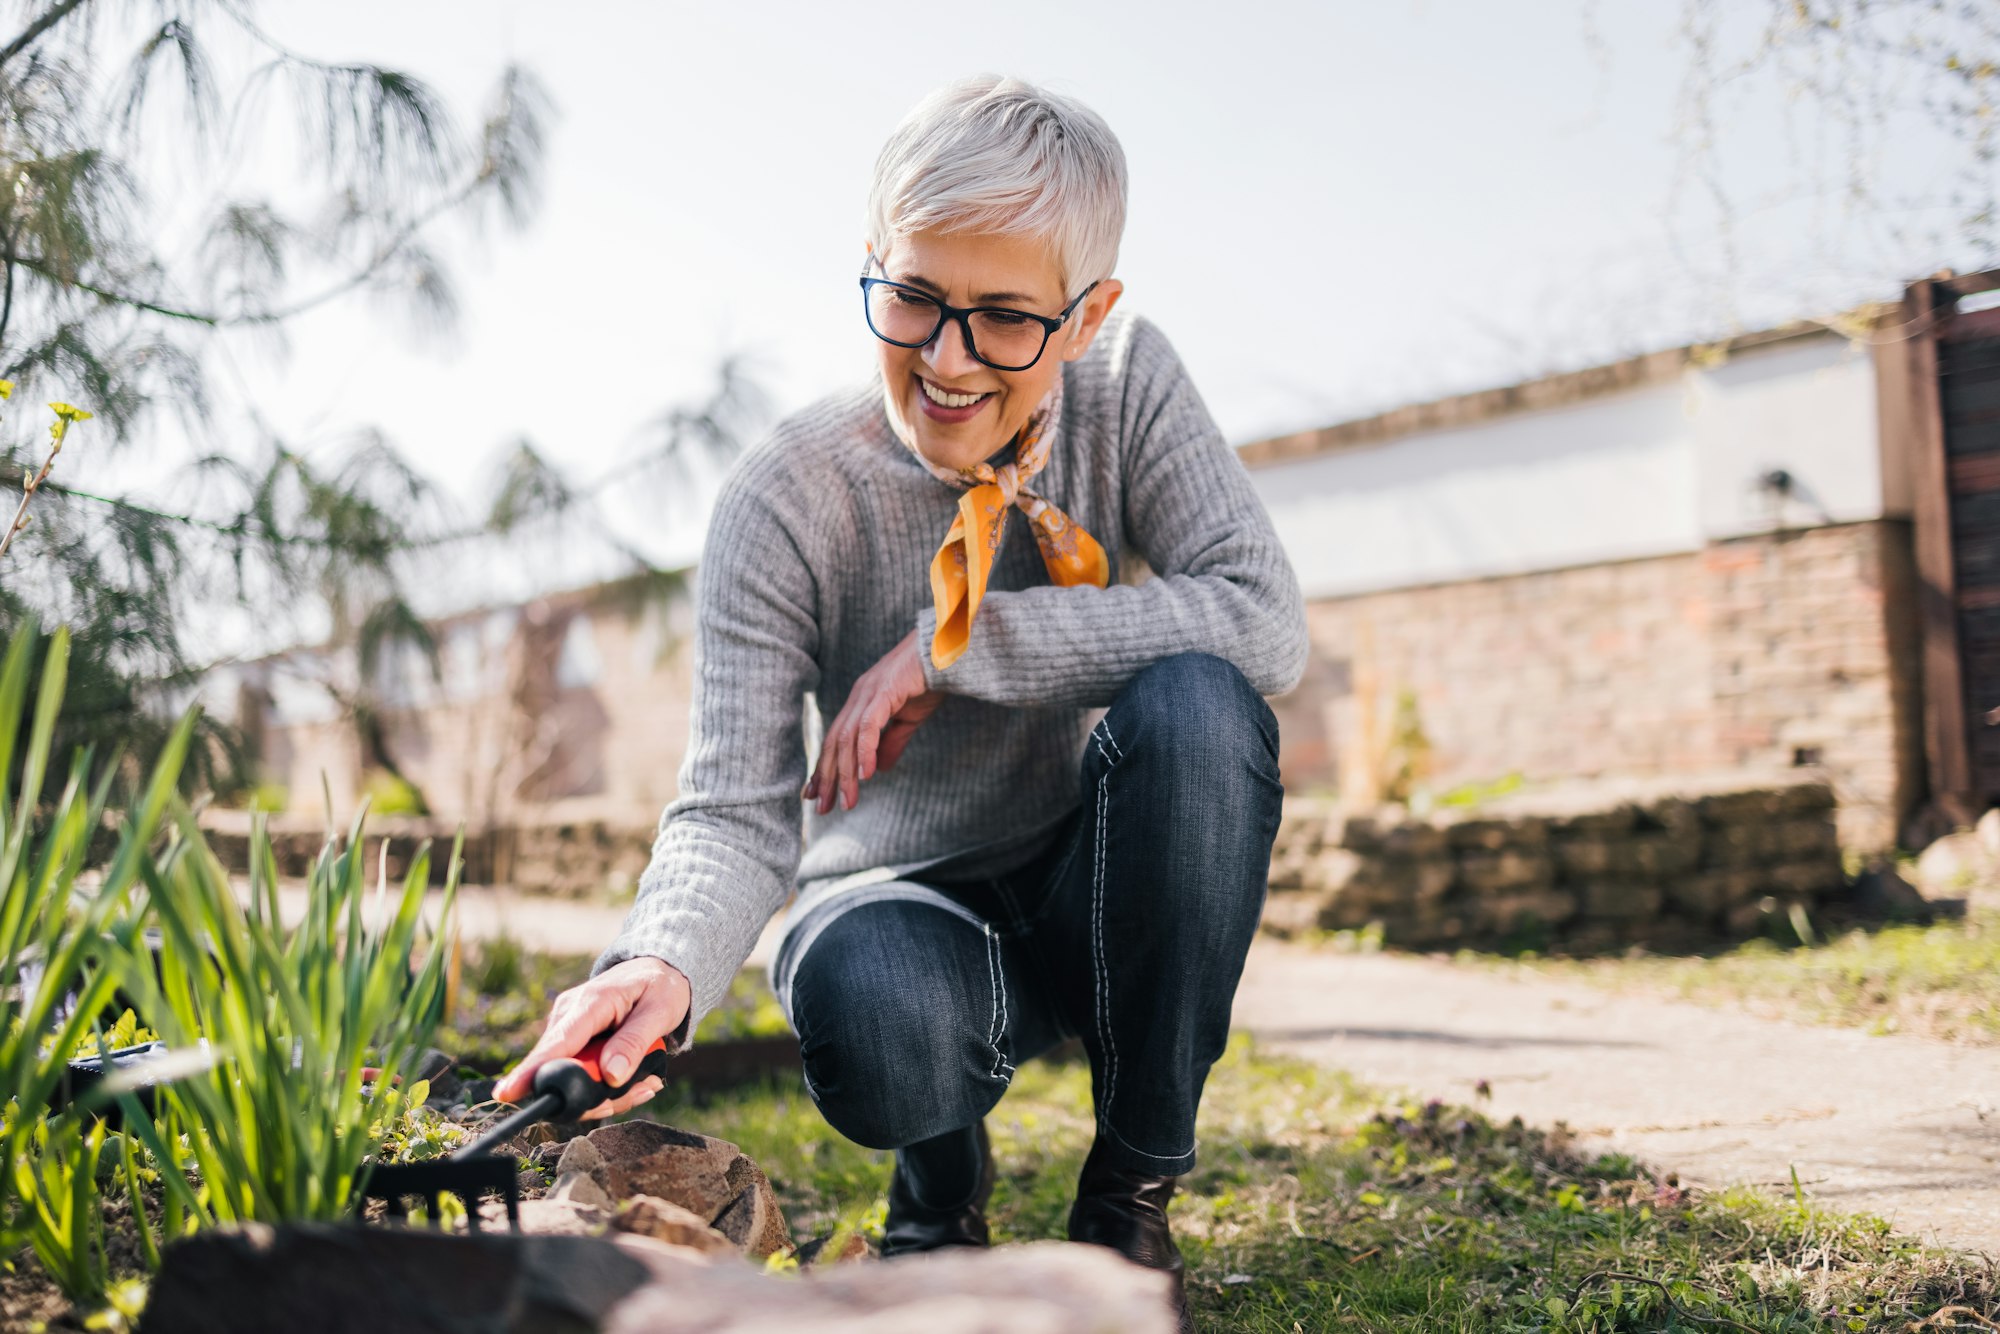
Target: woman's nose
(947, 353)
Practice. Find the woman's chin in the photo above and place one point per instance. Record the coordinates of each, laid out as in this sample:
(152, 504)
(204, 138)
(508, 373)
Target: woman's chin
(955, 447)
(956, 455)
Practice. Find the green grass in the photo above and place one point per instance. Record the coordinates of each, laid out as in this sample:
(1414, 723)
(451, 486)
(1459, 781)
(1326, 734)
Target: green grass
(1312, 1210)
(1938, 981)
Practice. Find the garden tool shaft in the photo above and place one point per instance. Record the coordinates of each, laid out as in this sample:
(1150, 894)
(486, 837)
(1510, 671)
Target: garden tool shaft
(565, 1089)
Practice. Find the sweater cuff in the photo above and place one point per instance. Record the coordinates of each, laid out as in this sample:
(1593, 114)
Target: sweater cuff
(708, 975)
(926, 633)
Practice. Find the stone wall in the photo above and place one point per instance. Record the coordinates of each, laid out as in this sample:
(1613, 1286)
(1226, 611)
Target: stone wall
(576, 858)
(1667, 870)
(1787, 650)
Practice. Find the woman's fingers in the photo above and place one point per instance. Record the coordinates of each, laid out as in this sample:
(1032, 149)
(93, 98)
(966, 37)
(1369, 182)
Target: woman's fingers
(895, 737)
(820, 788)
(640, 1093)
(645, 998)
(844, 762)
(868, 742)
(577, 1018)
(854, 748)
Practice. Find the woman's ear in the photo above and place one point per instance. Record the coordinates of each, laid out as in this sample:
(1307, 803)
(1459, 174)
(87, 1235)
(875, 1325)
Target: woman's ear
(1095, 307)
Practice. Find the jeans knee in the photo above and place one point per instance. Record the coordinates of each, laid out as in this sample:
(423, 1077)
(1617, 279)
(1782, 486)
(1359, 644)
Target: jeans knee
(899, 1030)
(1195, 709)
(888, 1080)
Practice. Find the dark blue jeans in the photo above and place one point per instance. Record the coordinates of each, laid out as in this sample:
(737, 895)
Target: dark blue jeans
(1129, 932)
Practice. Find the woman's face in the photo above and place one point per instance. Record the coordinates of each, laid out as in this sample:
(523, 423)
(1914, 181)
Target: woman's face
(966, 269)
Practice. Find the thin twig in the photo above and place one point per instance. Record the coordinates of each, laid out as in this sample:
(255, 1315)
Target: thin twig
(27, 494)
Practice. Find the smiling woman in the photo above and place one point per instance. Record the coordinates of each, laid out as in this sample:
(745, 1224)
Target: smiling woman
(1022, 870)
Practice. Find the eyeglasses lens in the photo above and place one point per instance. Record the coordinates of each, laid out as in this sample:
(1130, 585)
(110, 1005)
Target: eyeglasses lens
(1002, 338)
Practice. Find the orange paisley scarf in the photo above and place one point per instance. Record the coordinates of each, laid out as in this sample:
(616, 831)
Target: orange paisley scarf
(961, 566)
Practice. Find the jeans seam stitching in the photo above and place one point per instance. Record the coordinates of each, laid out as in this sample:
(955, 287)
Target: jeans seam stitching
(1161, 1157)
(999, 1003)
(1104, 1035)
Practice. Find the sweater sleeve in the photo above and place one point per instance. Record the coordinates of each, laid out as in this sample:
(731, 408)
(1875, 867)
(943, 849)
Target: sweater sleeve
(1223, 585)
(728, 847)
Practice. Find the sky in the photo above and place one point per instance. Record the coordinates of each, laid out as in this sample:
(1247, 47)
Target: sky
(1335, 208)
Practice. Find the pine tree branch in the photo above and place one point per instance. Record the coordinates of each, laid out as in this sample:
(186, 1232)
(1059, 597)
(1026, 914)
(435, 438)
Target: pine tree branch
(56, 14)
(34, 265)
(397, 243)
(7, 305)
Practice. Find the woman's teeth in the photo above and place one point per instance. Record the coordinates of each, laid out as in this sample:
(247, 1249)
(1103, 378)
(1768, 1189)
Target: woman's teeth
(944, 400)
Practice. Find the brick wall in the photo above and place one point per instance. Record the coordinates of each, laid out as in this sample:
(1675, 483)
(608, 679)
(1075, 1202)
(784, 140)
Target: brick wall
(1782, 651)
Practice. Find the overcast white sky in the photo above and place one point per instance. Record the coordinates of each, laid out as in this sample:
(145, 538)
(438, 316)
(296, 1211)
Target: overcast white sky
(1336, 207)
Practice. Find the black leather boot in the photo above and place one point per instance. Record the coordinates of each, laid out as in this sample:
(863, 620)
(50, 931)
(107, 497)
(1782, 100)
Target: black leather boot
(913, 1225)
(1128, 1212)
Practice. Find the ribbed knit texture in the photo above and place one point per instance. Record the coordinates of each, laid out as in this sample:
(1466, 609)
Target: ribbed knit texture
(816, 565)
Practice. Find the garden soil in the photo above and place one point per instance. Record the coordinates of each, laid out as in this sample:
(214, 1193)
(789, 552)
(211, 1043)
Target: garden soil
(1901, 1127)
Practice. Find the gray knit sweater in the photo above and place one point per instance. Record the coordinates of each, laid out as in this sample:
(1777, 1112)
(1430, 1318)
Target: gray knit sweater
(817, 563)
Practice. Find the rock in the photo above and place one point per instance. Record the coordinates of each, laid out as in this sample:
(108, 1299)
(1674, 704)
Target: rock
(1755, 918)
(581, 1188)
(753, 1220)
(1809, 837)
(1620, 900)
(1739, 845)
(1805, 879)
(1988, 832)
(1736, 808)
(1806, 798)
(1881, 893)
(662, 1220)
(821, 1251)
(312, 1278)
(1331, 872)
(1039, 1288)
(1519, 910)
(1954, 866)
(1492, 835)
(1706, 895)
(1611, 820)
(1288, 912)
(710, 1178)
(1508, 869)
(548, 1217)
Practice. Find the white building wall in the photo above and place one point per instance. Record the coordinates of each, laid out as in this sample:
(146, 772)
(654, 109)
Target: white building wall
(1651, 471)
(1806, 407)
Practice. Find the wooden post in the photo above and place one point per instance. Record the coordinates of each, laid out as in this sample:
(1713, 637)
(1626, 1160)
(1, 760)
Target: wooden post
(1922, 419)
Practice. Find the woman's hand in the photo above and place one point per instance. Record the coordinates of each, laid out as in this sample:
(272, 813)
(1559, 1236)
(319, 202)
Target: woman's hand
(887, 705)
(645, 999)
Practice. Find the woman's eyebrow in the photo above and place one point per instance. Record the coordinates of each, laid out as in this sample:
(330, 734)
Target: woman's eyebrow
(918, 280)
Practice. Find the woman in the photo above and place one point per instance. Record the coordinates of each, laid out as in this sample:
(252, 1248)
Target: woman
(989, 867)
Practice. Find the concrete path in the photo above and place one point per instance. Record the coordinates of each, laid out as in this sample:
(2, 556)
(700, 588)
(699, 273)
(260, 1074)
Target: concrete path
(1897, 1126)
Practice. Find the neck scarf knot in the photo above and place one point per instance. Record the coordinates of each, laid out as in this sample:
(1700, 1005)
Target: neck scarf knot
(960, 568)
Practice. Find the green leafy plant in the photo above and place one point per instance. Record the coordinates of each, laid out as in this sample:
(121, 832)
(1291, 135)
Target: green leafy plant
(309, 1028)
(56, 1178)
(53, 987)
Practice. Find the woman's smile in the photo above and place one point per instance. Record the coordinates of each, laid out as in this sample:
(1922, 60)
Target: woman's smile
(949, 407)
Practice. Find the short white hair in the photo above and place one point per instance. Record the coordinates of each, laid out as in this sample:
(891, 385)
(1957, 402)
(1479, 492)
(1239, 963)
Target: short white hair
(993, 155)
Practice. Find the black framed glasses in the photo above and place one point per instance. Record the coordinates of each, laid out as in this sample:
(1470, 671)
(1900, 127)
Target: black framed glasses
(1006, 340)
